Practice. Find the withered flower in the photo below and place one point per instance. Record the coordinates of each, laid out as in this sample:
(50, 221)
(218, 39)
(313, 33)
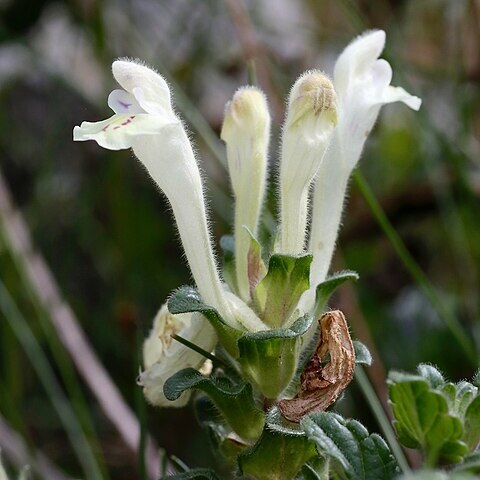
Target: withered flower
(322, 383)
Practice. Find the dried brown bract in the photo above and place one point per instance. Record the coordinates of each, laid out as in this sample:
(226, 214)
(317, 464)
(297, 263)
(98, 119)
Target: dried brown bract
(321, 383)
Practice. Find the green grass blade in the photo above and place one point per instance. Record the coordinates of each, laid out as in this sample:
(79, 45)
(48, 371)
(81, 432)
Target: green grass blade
(382, 419)
(141, 411)
(413, 268)
(39, 362)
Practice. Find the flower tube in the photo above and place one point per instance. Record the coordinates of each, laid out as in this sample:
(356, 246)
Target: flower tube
(309, 125)
(246, 130)
(362, 82)
(144, 120)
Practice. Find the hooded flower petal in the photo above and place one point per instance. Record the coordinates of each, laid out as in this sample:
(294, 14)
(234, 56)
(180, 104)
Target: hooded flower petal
(357, 58)
(362, 82)
(163, 356)
(145, 84)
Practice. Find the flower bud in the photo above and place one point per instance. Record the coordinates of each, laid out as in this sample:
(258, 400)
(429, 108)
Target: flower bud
(163, 356)
(310, 122)
(246, 130)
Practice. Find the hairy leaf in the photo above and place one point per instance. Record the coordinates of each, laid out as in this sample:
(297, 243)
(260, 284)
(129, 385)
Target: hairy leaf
(472, 424)
(354, 453)
(431, 374)
(463, 402)
(326, 289)
(362, 353)
(470, 464)
(423, 419)
(235, 401)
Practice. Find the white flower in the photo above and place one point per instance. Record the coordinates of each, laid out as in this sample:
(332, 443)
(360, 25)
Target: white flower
(310, 121)
(163, 356)
(362, 82)
(145, 121)
(143, 108)
(246, 131)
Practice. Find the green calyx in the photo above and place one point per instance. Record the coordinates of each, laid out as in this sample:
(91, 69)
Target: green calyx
(277, 295)
(269, 359)
(234, 400)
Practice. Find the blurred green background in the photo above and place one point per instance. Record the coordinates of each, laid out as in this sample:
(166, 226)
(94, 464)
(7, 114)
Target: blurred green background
(108, 237)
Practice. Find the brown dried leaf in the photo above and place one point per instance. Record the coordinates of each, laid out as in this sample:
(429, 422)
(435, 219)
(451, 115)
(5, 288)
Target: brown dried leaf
(322, 384)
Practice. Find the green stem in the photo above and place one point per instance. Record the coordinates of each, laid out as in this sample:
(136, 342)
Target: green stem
(415, 271)
(380, 415)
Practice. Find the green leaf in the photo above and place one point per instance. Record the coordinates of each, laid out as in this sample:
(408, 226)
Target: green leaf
(436, 475)
(472, 424)
(431, 374)
(316, 469)
(463, 403)
(279, 454)
(186, 300)
(195, 474)
(235, 401)
(277, 295)
(222, 443)
(227, 244)
(353, 452)
(269, 358)
(308, 473)
(423, 419)
(470, 464)
(229, 448)
(476, 379)
(466, 393)
(326, 289)
(362, 353)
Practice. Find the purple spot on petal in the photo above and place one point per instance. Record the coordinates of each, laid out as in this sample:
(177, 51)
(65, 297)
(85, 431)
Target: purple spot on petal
(124, 104)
